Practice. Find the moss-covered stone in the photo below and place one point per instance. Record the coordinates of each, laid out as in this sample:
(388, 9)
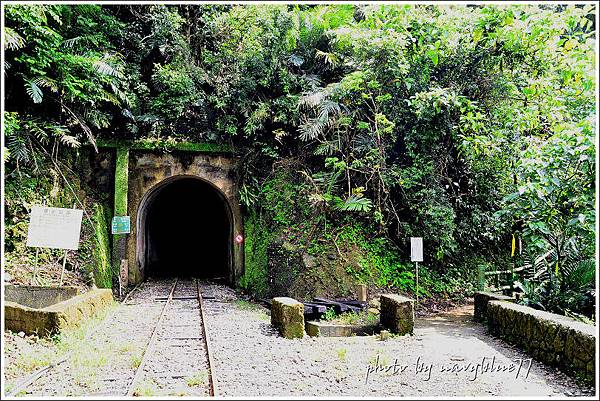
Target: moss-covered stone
(119, 249)
(204, 147)
(287, 315)
(397, 313)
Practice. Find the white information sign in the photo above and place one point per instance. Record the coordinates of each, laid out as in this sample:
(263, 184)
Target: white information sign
(416, 249)
(54, 227)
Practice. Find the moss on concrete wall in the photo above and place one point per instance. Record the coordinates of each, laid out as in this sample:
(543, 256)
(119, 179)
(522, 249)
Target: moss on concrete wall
(257, 241)
(102, 271)
(119, 249)
(121, 181)
(165, 145)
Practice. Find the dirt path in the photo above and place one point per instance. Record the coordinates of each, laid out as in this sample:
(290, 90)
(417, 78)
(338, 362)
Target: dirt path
(251, 359)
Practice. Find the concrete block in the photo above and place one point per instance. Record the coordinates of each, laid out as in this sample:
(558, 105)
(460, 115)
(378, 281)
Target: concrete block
(324, 329)
(287, 315)
(397, 313)
(361, 290)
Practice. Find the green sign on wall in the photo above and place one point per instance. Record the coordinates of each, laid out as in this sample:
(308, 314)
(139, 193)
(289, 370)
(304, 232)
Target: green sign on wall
(120, 225)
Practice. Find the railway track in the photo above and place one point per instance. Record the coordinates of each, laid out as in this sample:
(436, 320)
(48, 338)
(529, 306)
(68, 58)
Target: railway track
(177, 356)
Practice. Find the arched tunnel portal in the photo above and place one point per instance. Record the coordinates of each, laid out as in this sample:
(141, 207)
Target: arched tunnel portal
(184, 226)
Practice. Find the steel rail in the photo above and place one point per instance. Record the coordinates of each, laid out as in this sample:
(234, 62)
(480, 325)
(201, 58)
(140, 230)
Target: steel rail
(139, 370)
(31, 378)
(211, 373)
(124, 301)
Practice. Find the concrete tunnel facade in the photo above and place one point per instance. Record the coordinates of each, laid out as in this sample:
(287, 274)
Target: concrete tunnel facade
(185, 217)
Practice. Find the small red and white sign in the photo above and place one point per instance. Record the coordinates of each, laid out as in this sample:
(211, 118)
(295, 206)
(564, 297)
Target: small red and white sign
(239, 238)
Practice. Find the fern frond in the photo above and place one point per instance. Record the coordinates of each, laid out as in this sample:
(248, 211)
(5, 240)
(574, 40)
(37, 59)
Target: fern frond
(17, 146)
(311, 129)
(355, 203)
(326, 148)
(72, 41)
(329, 59)
(70, 141)
(12, 39)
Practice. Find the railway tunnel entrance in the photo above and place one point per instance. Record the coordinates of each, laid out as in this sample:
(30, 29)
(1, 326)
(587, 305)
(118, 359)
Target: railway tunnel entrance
(186, 230)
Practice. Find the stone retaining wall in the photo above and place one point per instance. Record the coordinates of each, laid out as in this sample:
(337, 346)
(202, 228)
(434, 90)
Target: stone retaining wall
(481, 300)
(552, 339)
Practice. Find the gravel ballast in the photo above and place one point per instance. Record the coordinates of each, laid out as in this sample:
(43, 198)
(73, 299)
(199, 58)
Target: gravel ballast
(448, 355)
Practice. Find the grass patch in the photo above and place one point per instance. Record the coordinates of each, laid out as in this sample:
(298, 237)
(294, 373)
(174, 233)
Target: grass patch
(365, 318)
(246, 305)
(86, 377)
(147, 388)
(29, 361)
(341, 354)
(198, 379)
(384, 360)
(136, 361)
(127, 347)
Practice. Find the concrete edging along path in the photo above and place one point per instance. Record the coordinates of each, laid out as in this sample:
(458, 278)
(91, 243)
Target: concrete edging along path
(55, 317)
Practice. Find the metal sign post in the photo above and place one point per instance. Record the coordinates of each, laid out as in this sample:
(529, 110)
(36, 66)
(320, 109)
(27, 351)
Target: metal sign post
(37, 252)
(62, 272)
(416, 255)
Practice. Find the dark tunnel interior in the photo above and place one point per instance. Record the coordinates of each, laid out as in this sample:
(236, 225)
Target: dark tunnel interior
(187, 231)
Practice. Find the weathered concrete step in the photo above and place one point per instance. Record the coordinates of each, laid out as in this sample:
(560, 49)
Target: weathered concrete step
(325, 329)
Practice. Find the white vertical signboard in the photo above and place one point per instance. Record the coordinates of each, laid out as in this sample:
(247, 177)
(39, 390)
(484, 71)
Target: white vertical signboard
(416, 255)
(416, 249)
(54, 227)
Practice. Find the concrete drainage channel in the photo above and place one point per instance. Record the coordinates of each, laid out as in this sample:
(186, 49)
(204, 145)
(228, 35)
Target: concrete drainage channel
(48, 310)
(288, 316)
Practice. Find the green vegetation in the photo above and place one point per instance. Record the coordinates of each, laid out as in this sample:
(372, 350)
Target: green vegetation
(341, 354)
(197, 379)
(147, 388)
(103, 271)
(121, 181)
(84, 354)
(168, 144)
(355, 126)
(255, 275)
(329, 315)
